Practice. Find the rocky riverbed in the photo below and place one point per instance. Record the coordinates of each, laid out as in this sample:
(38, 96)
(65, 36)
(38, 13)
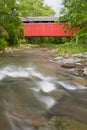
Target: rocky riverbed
(75, 64)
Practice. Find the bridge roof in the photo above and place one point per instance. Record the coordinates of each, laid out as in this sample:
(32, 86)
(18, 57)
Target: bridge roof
(39, 19)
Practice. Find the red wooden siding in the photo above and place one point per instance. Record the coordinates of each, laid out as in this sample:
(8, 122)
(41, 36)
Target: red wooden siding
(47, 29)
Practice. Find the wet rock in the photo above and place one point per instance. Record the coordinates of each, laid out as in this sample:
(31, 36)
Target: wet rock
(78, 63)
(85, 71)
(69, 65)
(66, 59)
(71, 60)
(77, 73)
(75, 64)
(55, 94)
(64, 123)
(81, 55)
(81, 81)
(39, 122)
(68, 106)
(50, 61)
(59, 58)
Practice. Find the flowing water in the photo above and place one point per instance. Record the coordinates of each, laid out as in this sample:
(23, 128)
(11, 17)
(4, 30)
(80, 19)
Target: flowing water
(30, 88)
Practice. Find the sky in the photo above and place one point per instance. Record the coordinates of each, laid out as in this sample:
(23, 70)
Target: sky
(56, 5)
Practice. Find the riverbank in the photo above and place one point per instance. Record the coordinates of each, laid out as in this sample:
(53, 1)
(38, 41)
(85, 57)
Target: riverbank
(73, 64)
(59, 49)
(20, 48)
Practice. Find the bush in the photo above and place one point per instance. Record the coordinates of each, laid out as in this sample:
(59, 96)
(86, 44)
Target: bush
(3, 44)
(42, 40)
(22, 41)
(71, 48)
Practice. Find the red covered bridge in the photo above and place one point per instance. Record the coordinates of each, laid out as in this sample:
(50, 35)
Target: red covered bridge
(45, 26)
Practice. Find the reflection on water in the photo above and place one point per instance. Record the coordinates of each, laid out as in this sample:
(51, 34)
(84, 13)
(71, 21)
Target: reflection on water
(26, 94)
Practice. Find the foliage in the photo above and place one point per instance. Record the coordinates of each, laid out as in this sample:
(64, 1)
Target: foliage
(22, 41)
(3, 44)
(71, 48)
(34, 8)
(10, 11)
(63, 45)
(10, 24)
(47, 40)
(75, 12)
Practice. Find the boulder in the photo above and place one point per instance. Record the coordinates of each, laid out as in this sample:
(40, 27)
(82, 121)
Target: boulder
(69, 65)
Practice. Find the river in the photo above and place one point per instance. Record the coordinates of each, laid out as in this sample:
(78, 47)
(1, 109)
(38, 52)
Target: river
(32, 90)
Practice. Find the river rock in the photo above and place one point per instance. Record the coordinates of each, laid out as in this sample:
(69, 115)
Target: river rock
(68, 106)
(81, 55)
(67, 59)
(69, 65)
(59, 58)
(75, 64)
(85, 71)
(82, 81)
(71, 60)
(39, 122)
(65, 123)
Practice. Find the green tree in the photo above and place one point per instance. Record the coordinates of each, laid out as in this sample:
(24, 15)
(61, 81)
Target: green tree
(35, 8)
(10, 23)
(75, 12)
(10, 12)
